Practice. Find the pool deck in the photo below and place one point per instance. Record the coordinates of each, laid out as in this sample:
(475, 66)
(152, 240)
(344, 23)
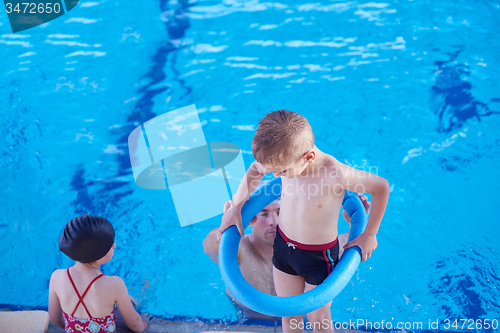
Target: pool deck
(163, 326)
(195, 326)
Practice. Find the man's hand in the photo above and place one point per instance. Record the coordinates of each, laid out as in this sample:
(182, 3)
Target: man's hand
(227, 205)
(232, 216)
(366, 203)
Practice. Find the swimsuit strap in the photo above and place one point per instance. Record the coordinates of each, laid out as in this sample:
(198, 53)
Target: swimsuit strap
(78, 294)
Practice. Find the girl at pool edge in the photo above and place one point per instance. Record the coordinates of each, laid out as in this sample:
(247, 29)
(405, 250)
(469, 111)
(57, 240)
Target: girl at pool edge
(81, 296)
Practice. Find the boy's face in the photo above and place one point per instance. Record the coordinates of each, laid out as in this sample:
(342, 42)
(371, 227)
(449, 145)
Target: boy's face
(290, 170)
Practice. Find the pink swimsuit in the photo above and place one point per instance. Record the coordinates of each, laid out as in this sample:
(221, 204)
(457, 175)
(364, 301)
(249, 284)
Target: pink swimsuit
(91, 325)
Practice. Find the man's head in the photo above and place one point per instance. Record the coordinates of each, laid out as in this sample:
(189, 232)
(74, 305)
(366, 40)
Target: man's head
(265, 222)
(282, 143)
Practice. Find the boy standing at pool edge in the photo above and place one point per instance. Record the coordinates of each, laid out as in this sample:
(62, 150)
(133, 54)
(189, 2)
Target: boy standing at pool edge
(313, 186)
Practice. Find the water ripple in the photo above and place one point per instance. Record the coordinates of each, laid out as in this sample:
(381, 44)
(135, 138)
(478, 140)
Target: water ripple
(466, 284)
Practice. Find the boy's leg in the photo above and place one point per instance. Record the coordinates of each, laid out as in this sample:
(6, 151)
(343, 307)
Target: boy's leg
(321, 319)
(289, 285)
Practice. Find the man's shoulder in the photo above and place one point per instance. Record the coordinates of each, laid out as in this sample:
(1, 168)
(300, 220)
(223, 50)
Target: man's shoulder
(246, 247)
(246, 242)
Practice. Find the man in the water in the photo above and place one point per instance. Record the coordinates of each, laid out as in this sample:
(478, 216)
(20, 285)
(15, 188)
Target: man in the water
(255, 252)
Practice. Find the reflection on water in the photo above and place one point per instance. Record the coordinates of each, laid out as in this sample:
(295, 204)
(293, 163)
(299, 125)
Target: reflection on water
(466, 283)
(452, 98)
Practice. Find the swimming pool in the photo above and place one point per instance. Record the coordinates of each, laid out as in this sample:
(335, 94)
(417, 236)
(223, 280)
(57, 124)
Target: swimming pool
(410, 88)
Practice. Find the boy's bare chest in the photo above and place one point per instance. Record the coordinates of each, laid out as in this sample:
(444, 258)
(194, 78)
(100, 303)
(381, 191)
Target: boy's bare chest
(307, 192)
(309, 209)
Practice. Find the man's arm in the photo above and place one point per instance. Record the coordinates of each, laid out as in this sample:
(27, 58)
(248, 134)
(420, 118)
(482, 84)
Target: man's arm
(212, 241)
(249, 183)
(211, 245)
(366, 182)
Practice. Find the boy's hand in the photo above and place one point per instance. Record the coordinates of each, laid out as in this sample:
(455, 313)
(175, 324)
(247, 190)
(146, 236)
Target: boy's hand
(366, 242)
(367, 204)
(232, 216)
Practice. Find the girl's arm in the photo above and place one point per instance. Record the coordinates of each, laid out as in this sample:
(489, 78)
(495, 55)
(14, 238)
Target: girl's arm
(132, 319)
(55, 310)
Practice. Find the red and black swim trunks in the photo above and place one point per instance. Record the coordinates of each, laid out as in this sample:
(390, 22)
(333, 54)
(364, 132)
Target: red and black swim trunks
(312, 262)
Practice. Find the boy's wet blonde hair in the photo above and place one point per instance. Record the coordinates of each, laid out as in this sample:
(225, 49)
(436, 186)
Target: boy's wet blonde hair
(282, 137)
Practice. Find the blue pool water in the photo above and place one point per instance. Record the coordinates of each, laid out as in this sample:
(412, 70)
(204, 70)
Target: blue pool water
(410, 88)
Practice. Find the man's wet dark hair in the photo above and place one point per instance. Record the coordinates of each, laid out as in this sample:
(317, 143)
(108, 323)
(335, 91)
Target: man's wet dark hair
(87, 238)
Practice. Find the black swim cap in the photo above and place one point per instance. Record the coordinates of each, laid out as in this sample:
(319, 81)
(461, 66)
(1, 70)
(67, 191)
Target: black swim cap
(87, 238)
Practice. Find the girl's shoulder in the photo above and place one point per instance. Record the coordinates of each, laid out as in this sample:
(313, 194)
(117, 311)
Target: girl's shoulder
(109, 281)
(58, 274)
(112, 285)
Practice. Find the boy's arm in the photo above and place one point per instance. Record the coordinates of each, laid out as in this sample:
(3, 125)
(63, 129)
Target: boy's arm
(367, 204)
(362, 181)
(249, 183)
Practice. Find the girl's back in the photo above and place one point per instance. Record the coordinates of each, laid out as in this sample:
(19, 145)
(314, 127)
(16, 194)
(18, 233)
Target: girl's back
(99, 300)
(81, 298)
